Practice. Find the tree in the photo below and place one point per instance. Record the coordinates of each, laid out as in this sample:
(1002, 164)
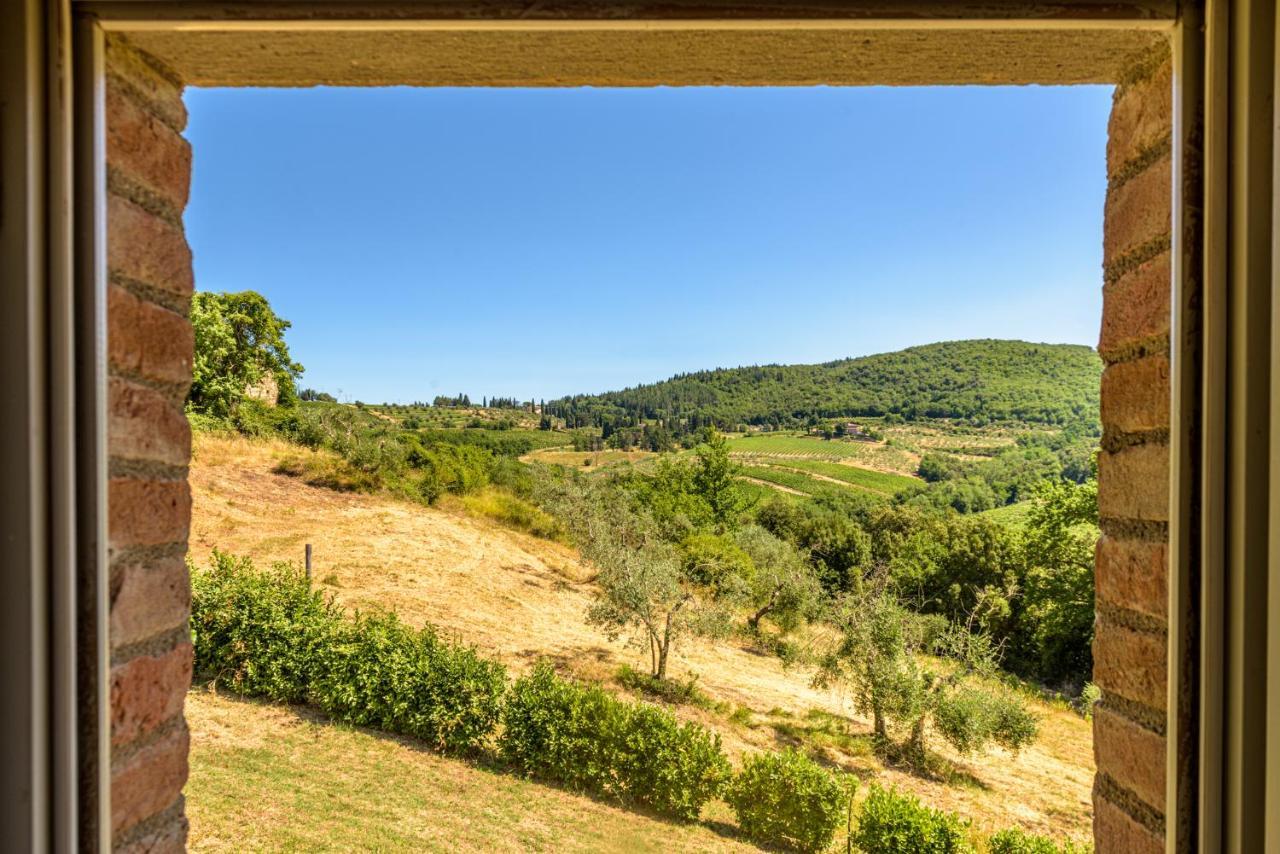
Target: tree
(239, 340)
(1062, 531)
(783, 585)
(643, 589)
(715, 479)
(881, 658)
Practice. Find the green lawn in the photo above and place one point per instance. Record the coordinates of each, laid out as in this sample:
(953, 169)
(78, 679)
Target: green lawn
(276, 778)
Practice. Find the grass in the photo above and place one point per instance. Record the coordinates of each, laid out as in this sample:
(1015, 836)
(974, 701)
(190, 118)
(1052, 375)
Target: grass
(872, 454)
(520, 598)
(1010, 515)
(876, 481)
(512, 512)
(586, 459)
(782, 477)
(277, 778)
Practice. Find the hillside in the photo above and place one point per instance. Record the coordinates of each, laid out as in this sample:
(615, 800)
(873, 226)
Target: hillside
(518, 599)
(279, 778)
(984, 381)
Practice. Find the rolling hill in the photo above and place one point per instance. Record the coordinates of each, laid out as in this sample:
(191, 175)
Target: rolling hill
(981, 381)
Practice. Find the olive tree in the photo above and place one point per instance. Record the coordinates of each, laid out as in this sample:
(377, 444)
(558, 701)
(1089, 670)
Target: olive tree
(643, 589)
(783, 585)
(882, 657)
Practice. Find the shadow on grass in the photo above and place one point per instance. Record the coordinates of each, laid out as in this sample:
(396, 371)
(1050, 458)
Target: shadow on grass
(487, 759)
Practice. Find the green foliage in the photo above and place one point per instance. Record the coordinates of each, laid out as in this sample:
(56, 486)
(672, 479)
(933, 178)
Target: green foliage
(788, 800)
(376, 671)
(259, 632)
(879, 659)
(267, 633)
(580, 736)
(716, 561)
(893, 823)
(643, 589)
(1015, 841)
(1062, 531)
(978, 381)
(782, 586)
(239, 340)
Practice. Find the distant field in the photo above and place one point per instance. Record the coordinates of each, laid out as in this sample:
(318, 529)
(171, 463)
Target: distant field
(789, 479)
(870, 454)
(1011, 515)
(585, 459)
(877, 481)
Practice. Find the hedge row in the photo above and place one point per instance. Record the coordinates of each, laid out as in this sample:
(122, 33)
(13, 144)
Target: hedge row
(587, 739)
(268, 633)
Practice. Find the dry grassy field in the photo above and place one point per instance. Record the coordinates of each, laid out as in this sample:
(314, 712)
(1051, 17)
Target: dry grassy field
(519, 598)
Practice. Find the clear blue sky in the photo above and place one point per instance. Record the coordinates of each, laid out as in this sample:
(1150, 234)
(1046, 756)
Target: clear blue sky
(537, 243)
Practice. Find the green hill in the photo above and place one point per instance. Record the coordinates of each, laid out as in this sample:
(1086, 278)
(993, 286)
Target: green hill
(981, 381)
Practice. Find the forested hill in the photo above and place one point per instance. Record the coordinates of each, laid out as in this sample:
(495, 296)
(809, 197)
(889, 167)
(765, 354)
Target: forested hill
(982, 381)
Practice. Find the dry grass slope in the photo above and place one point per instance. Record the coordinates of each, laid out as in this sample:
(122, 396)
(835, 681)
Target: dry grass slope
(519, 598)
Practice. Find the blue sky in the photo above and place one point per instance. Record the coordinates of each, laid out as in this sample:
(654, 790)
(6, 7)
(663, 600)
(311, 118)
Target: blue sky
(537, 243)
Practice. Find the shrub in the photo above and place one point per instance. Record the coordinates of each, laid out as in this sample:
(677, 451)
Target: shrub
(378, 672)
(582, 737)
(890, 823)
(258, 632)
(267, 633)
(788, 800)
(1014, 841)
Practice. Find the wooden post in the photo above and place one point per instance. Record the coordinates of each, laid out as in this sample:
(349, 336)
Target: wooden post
(308, 561)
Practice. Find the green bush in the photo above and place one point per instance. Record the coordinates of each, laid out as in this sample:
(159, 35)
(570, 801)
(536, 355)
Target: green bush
(1014, 841)
(890, 823)
(582, 737)
(267, 633)
(376, 671)
(788, 800)
(258, 632)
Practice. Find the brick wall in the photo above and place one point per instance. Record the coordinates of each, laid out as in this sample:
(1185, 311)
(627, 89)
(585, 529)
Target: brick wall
(1133, 468)
(149, 352)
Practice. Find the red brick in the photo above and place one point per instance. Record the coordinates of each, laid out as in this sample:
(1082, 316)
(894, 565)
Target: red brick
(1114, 832)
(1133, 574)
(1130, 664)
(158, 91)
(168, 839)
(148, 691)
(1133, 483)
(147, 512)
(146, 425)
(1142, 114)
(148, 249)
(1131, 755)
(1136, 306)
(1135, 395)
(148, 599)
(147, 150)
(1137, 211)
(149, 781)
(149, 340)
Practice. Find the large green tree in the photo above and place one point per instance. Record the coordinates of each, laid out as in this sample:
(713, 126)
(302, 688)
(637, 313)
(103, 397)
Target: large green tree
(239, 340)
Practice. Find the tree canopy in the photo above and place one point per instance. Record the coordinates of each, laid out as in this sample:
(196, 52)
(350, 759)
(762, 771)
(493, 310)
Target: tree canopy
(239, 341)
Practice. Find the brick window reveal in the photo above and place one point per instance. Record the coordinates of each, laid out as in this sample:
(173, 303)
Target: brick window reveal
(1131, 573)
(150, 353)
(149, 502)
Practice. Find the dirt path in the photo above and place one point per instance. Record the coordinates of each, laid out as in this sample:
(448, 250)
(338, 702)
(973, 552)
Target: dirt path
(519, 598)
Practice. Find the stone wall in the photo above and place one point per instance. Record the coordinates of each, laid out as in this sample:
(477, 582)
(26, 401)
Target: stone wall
(1133, 469)
(149, 346)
